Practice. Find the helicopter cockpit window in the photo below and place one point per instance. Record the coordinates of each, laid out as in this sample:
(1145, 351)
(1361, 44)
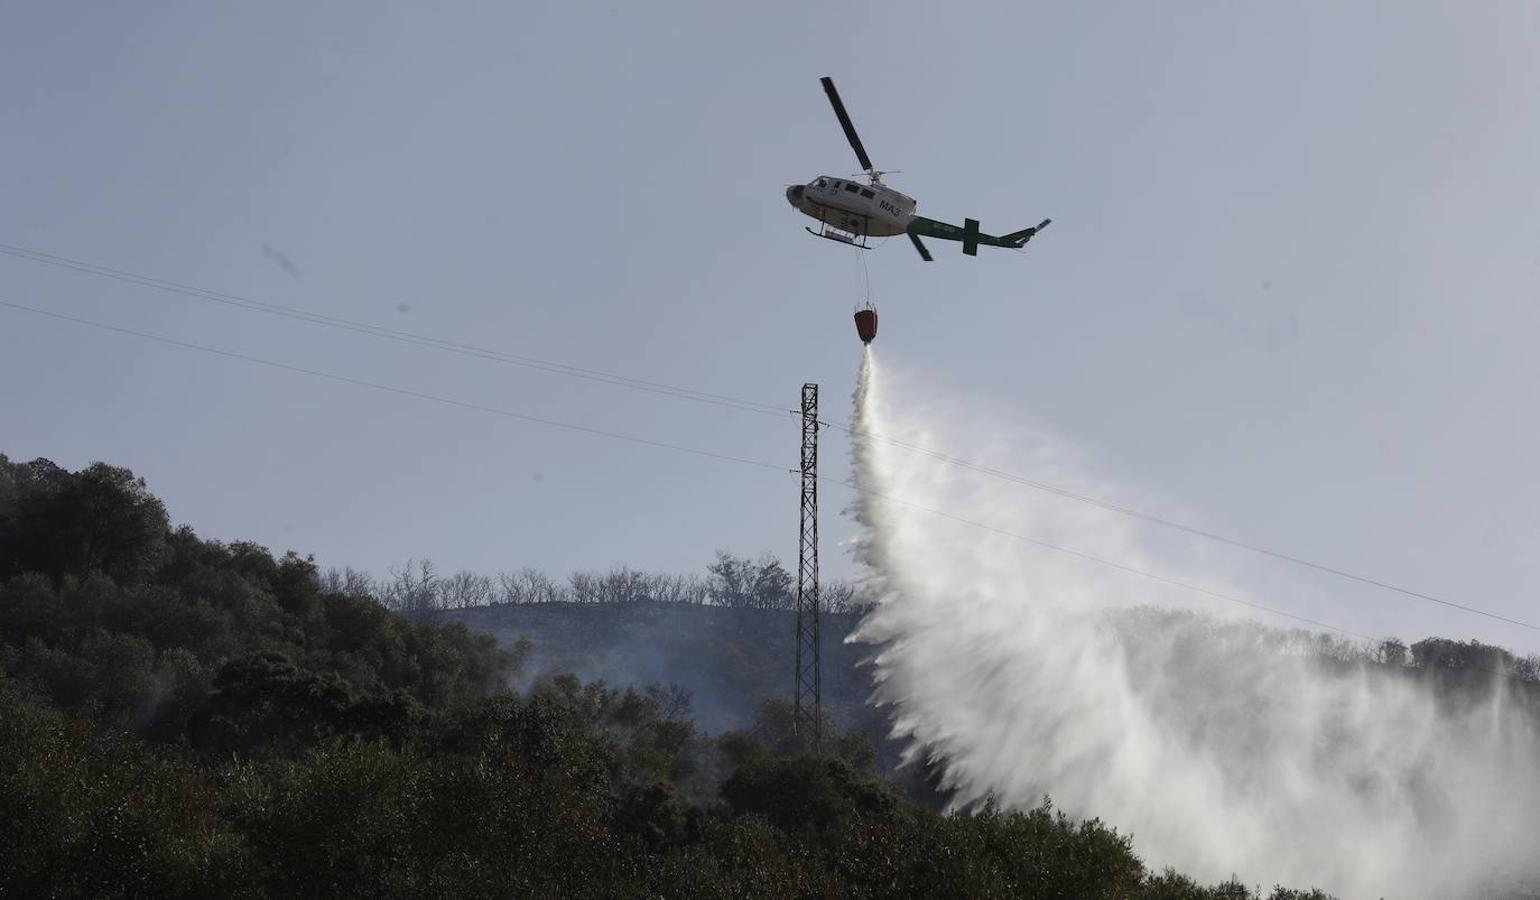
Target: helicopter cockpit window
(823, 182)
(850, 187)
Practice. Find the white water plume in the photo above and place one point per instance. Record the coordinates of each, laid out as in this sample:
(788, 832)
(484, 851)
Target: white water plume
(1223, 746)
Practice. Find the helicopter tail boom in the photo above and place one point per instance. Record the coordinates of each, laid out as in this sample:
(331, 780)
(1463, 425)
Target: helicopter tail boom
(970, 236)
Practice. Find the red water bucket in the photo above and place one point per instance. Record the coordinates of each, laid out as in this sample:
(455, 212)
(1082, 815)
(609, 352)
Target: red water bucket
(866, 324)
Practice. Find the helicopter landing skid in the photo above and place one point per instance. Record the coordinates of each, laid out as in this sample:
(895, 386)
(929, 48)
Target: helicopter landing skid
(829, 232)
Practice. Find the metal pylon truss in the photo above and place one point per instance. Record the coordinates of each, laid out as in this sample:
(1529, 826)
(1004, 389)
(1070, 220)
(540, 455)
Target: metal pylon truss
(808, 720)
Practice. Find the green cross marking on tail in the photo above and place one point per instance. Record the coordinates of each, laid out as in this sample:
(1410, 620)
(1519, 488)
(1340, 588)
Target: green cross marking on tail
(970, 237)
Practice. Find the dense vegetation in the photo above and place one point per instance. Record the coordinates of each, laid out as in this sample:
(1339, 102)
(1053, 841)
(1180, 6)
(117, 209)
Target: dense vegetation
(181, 717)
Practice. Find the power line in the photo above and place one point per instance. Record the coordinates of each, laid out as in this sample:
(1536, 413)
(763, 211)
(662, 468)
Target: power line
(1091, 557)
(723, 400)
(477, 407)
(345, 379)
(1178, 526)
(393, 334)
(1133, 570)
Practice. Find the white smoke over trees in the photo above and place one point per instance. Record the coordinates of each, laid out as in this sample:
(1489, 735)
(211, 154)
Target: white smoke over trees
(1223, 746)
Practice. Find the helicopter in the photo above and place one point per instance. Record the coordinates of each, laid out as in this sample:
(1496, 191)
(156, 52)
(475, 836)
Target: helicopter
(849, 212)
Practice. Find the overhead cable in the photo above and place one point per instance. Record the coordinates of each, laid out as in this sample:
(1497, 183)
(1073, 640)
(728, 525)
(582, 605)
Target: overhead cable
(1090, 557)
(392, 334)
(752, 406)
(1189, 529)
(761, 464)
(420, 395)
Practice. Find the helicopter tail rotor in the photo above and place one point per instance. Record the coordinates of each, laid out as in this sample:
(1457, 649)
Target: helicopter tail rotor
(1018, 239)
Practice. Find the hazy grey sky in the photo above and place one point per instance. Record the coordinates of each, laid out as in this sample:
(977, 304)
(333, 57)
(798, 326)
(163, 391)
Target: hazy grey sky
(1291, 281)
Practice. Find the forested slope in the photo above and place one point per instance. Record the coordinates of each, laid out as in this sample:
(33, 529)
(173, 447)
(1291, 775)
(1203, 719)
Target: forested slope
(183, 717)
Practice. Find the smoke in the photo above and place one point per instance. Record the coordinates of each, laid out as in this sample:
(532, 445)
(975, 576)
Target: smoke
(1223, 746)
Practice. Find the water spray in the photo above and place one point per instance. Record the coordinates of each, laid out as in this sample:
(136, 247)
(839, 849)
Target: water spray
(1222, 746)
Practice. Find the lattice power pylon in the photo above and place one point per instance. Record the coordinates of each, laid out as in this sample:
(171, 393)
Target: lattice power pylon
(808, 720)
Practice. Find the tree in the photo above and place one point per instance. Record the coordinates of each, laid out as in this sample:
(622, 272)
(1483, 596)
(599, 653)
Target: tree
(732, 579)
(772, 585)
(624, 585)
(740, 583)
(463, 590)
(349, 581)
(804, 793)
(101, 519)
(1442, 654)
(413, 588)
(528, 585)
(264, 699)
(584, 587)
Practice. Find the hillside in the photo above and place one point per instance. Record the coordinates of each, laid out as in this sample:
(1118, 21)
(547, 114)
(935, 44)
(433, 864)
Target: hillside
(185, 717)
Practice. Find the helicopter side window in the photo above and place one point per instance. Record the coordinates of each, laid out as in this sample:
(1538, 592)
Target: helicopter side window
(866, 192)
(851, 188)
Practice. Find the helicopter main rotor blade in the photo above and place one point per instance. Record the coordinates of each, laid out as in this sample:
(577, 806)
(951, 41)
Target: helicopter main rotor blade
(920, 246)
(844, 117)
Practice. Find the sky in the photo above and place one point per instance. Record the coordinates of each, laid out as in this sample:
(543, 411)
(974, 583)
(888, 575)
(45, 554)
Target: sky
(1290, 287)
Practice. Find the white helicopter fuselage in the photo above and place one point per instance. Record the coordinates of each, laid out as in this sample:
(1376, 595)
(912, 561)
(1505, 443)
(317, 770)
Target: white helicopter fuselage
(874, 210)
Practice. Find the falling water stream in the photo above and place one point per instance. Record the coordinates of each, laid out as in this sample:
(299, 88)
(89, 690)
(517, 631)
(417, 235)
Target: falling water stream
(1219, 743)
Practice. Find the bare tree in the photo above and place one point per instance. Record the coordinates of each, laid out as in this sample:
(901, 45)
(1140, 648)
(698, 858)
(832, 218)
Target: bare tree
(733, 581)
(528, 585)
(510, 591)
(412, 588)
(356, 583)
(623, 585)
(350, 582)
(838, 597)
(677, 589)
(690, 589)
(585, 587)
(542, 587)
(464, 589)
